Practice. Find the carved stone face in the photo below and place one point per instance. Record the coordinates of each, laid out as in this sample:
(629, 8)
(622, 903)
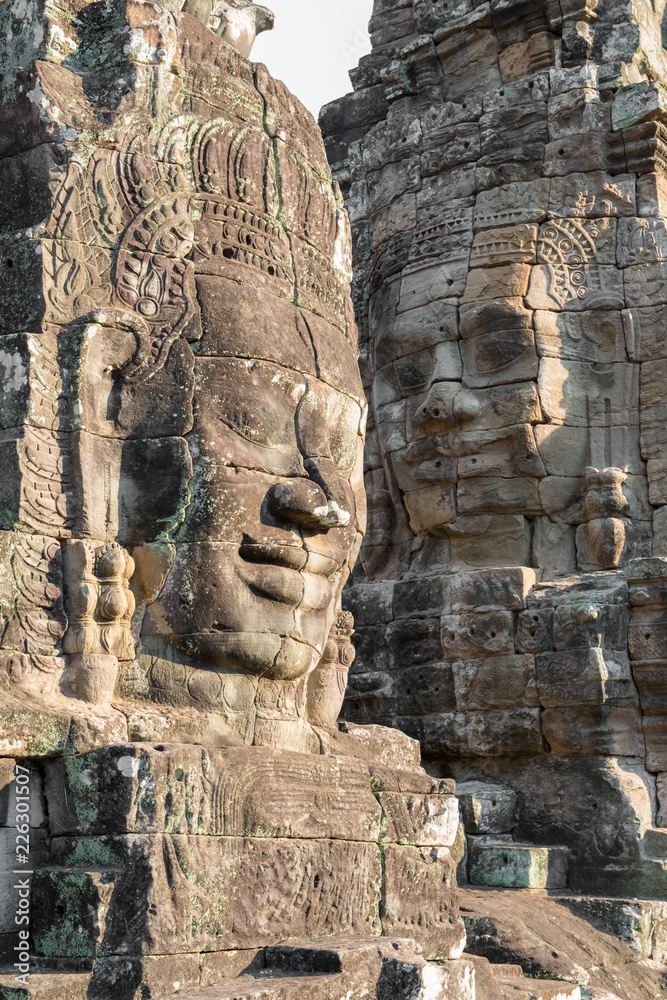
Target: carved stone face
(491, 413)
(193, 399)
(276, 497)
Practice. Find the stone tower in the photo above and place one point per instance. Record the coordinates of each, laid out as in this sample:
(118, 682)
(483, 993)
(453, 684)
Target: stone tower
(503, 164)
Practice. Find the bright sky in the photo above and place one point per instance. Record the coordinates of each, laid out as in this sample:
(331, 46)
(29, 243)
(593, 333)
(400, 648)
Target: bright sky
(313, 45)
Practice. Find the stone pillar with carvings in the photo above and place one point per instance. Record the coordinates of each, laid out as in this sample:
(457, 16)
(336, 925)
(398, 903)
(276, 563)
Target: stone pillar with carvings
(503, 165)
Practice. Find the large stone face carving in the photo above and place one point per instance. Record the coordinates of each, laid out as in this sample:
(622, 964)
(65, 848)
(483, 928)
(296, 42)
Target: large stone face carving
(183, 415)
(503, 166)
(181, 433)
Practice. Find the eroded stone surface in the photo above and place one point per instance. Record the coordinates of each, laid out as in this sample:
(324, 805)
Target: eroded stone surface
(514, 359)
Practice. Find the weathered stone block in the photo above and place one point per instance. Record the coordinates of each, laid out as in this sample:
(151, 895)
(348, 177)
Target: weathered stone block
(583, 676)
(413, 641)
(488, 633)
(511, 732)
(587, 623)
(487, 808)
(608, 729)
(592, 195)
(417, 897)
(425, 689)
(420, 820)
(512, 204)
(492, 589)
(515, 866)
(497, 682)
(178, 894)
(138, 789)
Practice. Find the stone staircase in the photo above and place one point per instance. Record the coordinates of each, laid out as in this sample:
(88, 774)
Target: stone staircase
(527, 905)
(329, 969)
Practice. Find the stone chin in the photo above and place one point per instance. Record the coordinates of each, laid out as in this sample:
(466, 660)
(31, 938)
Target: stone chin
(263, 654)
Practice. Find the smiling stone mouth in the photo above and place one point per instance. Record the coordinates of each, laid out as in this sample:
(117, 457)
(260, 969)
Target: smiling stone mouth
(298, 558)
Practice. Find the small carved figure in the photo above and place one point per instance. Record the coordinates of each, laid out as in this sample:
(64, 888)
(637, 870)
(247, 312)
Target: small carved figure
(327, 683)
(604, 501)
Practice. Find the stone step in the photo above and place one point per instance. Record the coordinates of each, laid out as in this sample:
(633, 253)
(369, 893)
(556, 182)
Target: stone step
(322, 987)
(516, 866)
(516, 986)
(594, 994)
(48, 986)
(640, 923)
(654, 843)
(538, 989)
(615, 945)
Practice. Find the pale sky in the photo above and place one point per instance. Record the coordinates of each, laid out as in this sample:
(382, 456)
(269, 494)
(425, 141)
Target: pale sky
(313, 45)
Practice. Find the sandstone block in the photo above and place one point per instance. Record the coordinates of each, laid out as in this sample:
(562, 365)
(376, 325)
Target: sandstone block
(430, 508)
(554, 547)
(569, 287)
(423, 284)
(486, 363)
(399, 217)
(517, 866)
(603, 151)
(642, 332)
(646, 282)
(487, 808)
(425, 689)
(595, 336)
(512, 204)
(511, 128)
(647, 634)
(639, 103)
(417, 897)
(421, 596)
(492, 589)
(575, 112)
(138, 789)
(488, 633)
(370, 696)
(413, 641)
(589, 624)
(534, 631)
(392, 181)
(512, 732)
(577, 241)
(370, 603)
(563, 396)
(647, 581)
(447, 147)
(178, 894)
(524, 58)
(592, 195)
(497, 682)
(469, 61)
(583, 676)
(609, 729)
(497, 495)
(651, 195)
(420, 820)
(510, 244)
(567, 450)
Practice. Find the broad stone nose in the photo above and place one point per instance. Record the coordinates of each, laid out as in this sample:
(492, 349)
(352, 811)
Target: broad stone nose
(438, 405)
(466, 406)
